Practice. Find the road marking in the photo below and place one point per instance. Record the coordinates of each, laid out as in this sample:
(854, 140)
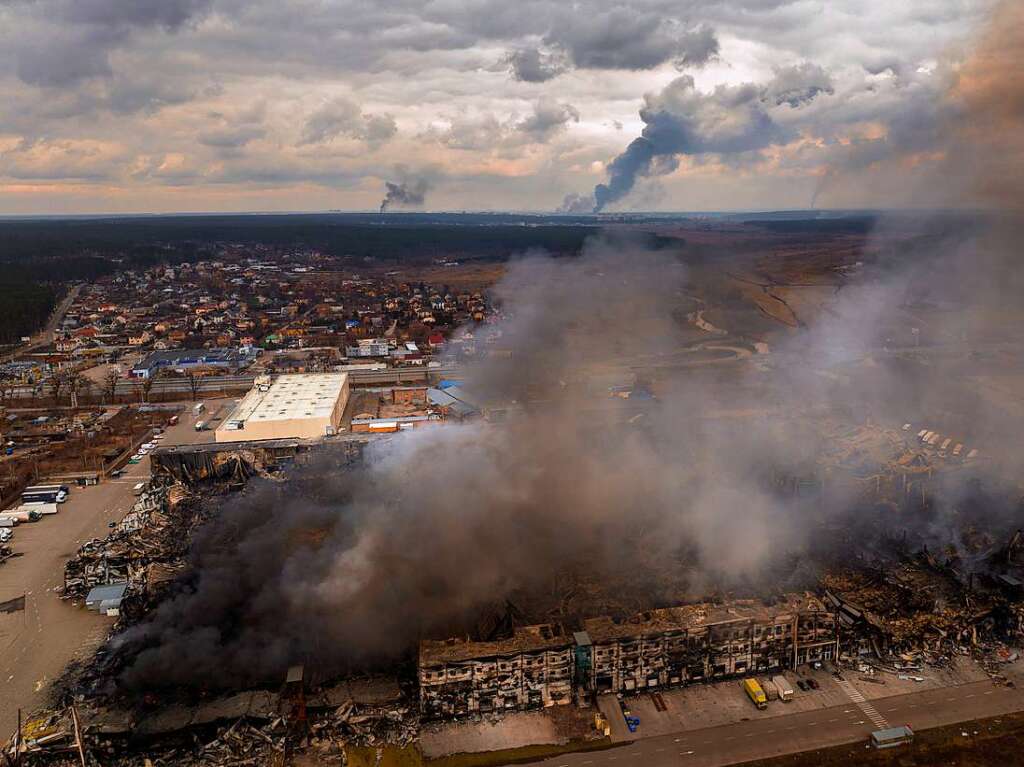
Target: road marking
(990, 692)
(832, 720)
(969, 696)
(863, 704)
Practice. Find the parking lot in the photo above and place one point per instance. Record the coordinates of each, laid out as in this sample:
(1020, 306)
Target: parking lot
(711, 705)
(38, 642)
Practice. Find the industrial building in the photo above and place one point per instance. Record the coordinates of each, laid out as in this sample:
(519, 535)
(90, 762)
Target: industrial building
(532, 669)
(541, 665)
(703, 642)
(184, 360)
(297, 406)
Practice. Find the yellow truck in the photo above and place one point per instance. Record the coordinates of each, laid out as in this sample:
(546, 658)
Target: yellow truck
(755, 693)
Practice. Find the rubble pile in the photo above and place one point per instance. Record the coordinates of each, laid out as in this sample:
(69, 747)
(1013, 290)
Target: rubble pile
(368, 726)
(913, 610)
(154, 531)
(255, 727)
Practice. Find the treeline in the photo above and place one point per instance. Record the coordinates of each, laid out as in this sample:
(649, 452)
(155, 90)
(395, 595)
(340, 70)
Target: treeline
(149, 240)
(24, 307)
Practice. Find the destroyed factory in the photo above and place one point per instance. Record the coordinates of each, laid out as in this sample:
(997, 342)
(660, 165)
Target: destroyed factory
(885, 602)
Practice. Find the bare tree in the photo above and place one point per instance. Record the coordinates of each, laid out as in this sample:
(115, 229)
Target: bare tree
(77, 384)
(56, 381)
(194, 382)
(7, 386)
(147, 386)
(110, 384)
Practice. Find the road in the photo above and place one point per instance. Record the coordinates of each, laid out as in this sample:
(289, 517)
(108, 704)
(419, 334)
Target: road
(38, 642)
(805, 731)
(45, 336)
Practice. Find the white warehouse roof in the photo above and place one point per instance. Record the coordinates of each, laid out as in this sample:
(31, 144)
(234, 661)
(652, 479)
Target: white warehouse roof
(306, 402)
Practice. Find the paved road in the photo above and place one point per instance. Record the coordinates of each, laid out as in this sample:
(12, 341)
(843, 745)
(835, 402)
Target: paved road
(755, 739)
(45, 336)
(37, 643)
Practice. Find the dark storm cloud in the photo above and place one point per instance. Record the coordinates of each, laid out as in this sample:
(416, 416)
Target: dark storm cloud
(169, 14)
(80, 34)
(623, 38)
(139, 75)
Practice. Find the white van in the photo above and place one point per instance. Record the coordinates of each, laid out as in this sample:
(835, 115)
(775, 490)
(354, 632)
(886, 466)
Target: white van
(200, 425)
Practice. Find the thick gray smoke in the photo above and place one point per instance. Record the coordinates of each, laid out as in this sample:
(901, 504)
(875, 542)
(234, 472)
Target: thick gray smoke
(730, 120)
(349, 566)
(411, 193)
(657, 500)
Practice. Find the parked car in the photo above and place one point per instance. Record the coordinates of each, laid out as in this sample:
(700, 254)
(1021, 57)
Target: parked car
(135, 459)
(149, 445)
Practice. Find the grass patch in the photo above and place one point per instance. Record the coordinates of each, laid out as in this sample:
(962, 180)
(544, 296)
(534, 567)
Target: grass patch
(522, 754)
(1000, 741)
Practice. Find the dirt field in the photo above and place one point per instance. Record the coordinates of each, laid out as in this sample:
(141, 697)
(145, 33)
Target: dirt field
(38, 642)
(982, 743)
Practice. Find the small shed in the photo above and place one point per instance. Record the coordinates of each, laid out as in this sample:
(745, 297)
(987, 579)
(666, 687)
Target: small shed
(105, 598)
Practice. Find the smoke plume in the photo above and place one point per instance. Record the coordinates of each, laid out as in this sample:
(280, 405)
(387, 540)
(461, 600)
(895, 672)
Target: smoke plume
(730, 120)
(350, 566)
(658, 500)
(411, 193)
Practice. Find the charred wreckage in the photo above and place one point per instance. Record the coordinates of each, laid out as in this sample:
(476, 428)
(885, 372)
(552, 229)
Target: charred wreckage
(903, 610)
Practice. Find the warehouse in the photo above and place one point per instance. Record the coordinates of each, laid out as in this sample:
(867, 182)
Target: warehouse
(531, 669)
(542, 665)
(703, 642)
(298, 406)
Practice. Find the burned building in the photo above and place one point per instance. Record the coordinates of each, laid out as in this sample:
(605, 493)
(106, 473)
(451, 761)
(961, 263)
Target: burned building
(703, 642)
(531, 669)
(541, 665)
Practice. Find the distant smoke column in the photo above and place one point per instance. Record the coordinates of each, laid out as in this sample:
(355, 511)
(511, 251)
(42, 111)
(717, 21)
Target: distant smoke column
(405, 193)
(622, 172)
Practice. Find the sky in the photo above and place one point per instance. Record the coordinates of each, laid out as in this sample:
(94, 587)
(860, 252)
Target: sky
(258, 105)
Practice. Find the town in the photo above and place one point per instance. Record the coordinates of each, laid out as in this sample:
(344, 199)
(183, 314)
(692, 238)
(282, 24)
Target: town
(161, 403)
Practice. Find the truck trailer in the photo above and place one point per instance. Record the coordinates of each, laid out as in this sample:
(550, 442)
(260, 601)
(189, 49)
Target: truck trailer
(784, 687)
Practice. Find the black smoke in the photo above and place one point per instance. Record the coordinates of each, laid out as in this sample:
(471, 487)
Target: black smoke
(405, 193)
(730, 120)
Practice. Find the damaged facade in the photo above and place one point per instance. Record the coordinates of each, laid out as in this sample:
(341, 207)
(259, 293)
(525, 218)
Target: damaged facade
(532, 669)
(703, 642)
(541, 665)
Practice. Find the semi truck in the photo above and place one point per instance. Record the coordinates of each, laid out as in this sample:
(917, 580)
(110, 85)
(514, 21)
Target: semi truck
(755, 693)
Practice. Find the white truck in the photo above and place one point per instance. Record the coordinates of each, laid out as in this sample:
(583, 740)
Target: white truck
(40, 508)
(784, 687)
(22, 516)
